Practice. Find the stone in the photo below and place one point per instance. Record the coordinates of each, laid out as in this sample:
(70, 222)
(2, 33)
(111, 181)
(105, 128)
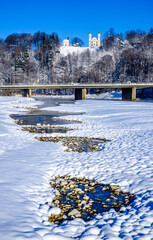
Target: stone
(56, 202)
(98, 199)
(105, 188)
(86, 198)
(83, 202)
(117, 192)
(87, 206)
(54, 211)
(79, 191)
(114, 198)
(114, 187)
(122, 209)
(74, 213)
(64, 216)
(92, 184)
(55, 218)
(75, 202)
(105, 206)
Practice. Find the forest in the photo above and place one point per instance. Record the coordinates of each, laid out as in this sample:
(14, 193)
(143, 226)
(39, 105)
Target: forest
(37, 59)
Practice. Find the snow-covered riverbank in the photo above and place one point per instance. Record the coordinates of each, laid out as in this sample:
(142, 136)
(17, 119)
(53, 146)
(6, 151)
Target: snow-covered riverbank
(27, 165)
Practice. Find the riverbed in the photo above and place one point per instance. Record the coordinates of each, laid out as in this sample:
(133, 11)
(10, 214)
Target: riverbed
(27, 166)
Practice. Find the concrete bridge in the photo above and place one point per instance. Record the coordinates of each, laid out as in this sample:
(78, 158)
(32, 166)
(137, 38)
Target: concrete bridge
(128, 89)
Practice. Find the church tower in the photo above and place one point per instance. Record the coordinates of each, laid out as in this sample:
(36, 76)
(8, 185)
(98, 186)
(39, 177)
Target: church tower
(94, 42)
(90, 39)
(98, 39)
(65, 42)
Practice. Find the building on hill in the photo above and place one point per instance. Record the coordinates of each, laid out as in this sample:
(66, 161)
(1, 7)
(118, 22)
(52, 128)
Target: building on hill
(94, 42)
(65, 42)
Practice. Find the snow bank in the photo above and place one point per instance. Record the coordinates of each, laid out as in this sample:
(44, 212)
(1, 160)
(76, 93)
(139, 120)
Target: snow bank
(70, 50)
(27, 165)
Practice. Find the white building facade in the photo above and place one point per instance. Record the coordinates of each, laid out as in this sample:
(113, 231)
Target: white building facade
(94, 42)
(65, 42)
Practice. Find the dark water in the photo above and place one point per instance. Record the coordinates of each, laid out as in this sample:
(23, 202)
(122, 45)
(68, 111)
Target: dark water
(99, 204)
(43, 129)
(53, 102)
(77, 144)
(93, 199)
(34, 119)
(39, 116)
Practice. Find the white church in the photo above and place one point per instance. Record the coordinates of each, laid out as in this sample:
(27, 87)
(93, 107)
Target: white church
(93, 42)
(66, 42)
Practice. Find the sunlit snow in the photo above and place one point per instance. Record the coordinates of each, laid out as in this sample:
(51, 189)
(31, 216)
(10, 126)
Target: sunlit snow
(27, 165)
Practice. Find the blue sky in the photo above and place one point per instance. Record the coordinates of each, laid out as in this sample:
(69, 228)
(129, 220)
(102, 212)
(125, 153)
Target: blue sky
(74, 18)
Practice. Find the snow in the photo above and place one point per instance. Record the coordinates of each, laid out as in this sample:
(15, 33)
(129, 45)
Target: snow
(65, 40)
(27, 165)
(55, 211)
(64, 51)
(95, 52)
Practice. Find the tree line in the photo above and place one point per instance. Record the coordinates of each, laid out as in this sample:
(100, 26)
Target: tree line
(27, 58)
(37, 58)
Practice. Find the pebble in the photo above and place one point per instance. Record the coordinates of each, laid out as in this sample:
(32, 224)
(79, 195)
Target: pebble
(74, 200)
(74, 213)
(76, 144)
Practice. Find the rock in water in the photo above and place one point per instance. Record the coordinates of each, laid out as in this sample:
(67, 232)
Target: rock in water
(74, 213)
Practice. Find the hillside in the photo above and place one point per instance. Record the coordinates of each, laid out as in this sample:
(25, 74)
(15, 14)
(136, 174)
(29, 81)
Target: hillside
(39, 58)
(64, 51)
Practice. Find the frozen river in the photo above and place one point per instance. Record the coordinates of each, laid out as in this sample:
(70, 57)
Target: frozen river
(27, 165)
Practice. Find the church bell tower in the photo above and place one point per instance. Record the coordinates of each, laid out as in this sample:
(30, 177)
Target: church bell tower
(98, 39)
(90, 39)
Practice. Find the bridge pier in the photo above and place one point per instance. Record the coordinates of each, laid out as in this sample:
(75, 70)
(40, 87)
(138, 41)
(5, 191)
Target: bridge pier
(30, 94)
(129, 94)
(27, 92)
(80, 93)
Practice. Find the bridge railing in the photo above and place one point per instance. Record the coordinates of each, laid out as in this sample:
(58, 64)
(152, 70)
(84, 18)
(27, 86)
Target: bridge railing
(85, 85)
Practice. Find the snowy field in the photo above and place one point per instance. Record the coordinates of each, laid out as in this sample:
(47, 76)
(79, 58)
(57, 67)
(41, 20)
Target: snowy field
(27, 165)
